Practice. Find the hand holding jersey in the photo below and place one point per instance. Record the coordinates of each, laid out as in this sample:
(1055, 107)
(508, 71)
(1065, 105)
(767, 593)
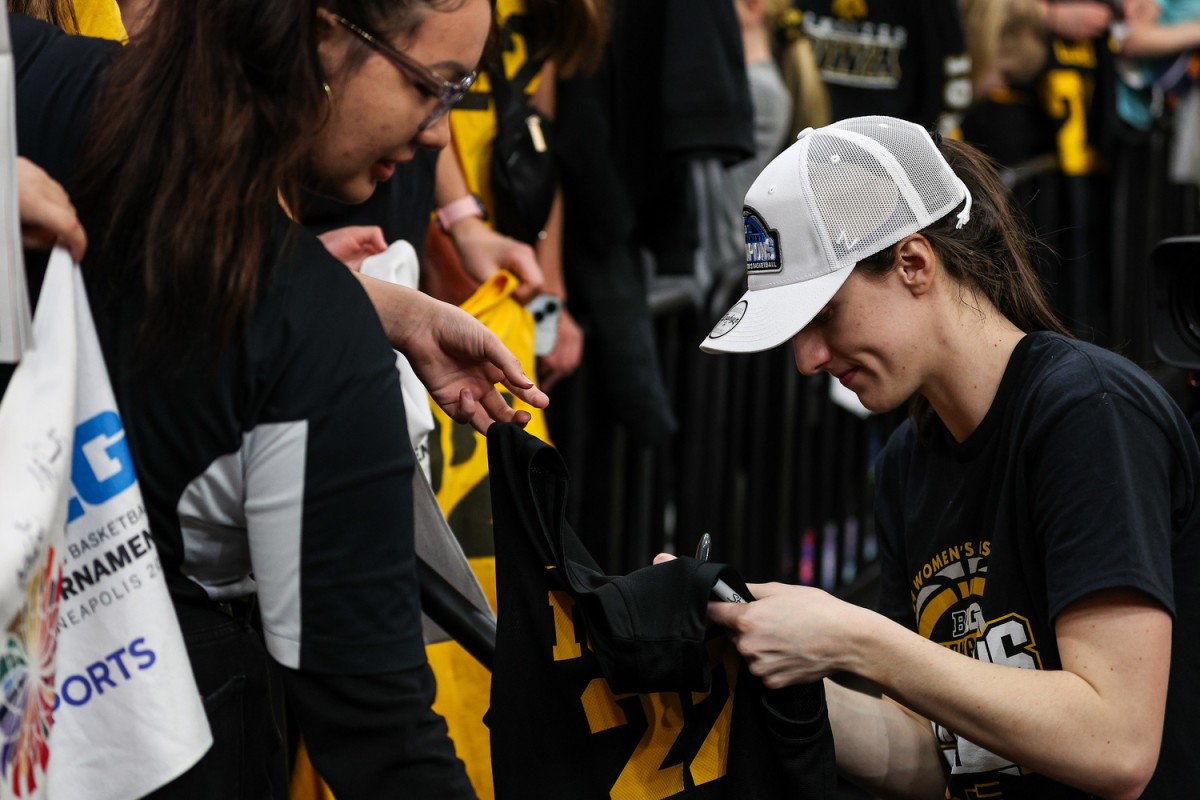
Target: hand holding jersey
(1037, 513)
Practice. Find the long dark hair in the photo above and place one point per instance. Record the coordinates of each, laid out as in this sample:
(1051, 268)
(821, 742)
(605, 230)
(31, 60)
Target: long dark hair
(202, 128)
(991, 255)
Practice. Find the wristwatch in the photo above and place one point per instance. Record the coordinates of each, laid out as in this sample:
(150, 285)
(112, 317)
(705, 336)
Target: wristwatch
(469, 205)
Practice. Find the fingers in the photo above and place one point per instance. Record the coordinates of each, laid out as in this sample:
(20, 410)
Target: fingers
(554, 367)
(491, 408)
(367, 238)
(514, 378)
(522, 262)
(47, 215)
(525, 292)
(496, 407)
(531, 394)
(471, 412)
(59, 226)
(373, 239)
(726, 614)
(548, 374)
(484, 251)
(567, 353)
(354, 243)
(663, 558)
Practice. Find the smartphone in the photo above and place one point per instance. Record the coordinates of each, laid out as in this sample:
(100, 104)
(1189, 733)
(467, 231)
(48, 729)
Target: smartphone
(546, 309)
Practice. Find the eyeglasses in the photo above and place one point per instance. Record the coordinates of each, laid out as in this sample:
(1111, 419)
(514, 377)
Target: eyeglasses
(427, 81)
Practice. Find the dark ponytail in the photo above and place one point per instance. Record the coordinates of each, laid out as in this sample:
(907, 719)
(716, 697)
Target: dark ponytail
(990, 255)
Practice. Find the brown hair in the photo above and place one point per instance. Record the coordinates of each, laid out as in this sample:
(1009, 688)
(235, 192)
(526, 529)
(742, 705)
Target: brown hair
(204, 125)
(56, 12)
(990, 255)
(571, 33)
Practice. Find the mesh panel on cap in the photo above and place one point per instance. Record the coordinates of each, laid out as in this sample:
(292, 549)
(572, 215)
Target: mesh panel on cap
(873, 181)
(918, 157)
(856, 200)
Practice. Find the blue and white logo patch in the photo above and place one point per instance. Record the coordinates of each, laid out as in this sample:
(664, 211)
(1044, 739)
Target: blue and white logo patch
(728, 322)
(762, 244)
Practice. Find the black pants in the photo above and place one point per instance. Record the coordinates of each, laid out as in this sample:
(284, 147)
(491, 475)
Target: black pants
(242, 698)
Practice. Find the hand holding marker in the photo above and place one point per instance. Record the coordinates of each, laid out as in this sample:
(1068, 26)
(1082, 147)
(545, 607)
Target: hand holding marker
(721, 589)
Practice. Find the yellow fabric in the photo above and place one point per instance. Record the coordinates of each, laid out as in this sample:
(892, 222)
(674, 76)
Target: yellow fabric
(464, 685)
(306, 783)
(474, 129)
(493, 305)
(464, 694)
(100, 18)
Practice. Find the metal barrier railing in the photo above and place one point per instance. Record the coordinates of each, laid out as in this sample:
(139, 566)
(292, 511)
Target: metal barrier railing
(763, 460)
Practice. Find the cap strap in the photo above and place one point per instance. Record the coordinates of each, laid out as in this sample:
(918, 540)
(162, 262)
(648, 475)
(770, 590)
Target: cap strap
(964, 216)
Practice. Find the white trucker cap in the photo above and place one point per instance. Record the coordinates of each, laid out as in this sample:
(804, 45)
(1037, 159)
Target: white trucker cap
(835, 196)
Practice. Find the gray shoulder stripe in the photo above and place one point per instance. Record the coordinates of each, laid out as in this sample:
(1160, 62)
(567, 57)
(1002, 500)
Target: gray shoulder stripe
(212, 525)
(275, 456)
(241, 525)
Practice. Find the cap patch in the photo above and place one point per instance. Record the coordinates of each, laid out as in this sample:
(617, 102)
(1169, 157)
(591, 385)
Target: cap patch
(762, 244)
(728, 322)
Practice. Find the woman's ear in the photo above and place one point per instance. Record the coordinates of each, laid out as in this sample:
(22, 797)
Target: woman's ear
(917, 263)
(330, 49)
(325, 24)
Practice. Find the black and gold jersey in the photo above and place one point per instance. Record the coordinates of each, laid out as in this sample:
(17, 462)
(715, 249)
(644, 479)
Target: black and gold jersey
(894, 57)
(613, 686)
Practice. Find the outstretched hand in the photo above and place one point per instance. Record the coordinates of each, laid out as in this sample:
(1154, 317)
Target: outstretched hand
(455, 356)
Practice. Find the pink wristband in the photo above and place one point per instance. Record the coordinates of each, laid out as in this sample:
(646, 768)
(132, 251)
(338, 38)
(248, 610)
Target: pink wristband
(468, 205)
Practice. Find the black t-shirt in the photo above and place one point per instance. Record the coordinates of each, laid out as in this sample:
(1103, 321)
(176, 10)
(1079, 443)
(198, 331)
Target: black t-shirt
(1082, 476)
(229, 491)
(57, 76)
(281, 468)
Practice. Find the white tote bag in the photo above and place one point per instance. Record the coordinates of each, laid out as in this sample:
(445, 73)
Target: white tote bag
(37, 422)
(127, 717)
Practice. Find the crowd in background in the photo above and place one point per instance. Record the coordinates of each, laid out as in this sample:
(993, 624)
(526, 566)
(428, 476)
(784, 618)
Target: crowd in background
(661, 119)
(658, 117)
